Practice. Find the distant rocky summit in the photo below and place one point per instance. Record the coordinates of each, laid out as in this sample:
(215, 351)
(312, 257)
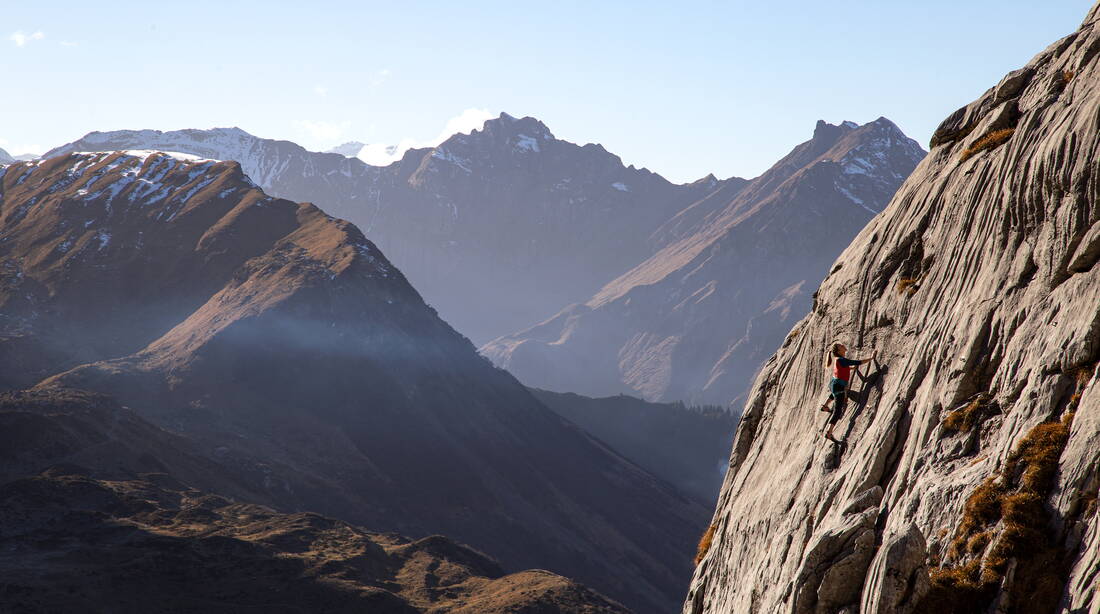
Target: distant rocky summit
(968, 474)
(695, 320)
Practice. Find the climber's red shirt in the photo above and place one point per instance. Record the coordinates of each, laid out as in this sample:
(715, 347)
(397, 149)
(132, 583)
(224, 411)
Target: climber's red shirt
(842, 368)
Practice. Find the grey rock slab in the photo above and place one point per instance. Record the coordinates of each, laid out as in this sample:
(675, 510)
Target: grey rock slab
(897, 577)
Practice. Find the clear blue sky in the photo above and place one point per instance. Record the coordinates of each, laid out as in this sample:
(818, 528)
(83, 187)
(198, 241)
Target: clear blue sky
(683, 88)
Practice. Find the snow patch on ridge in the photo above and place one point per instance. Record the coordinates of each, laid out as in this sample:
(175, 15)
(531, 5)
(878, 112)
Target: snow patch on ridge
(178, 155)
(855, 199)
(440, 153)
(527, 143)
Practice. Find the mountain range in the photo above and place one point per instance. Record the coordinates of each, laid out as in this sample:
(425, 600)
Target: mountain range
(303, 363)
(965, 473)
(498, 228)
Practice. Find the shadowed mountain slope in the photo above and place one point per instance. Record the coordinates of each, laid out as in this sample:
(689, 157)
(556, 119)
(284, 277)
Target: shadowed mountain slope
(94, 519)
(687, 446)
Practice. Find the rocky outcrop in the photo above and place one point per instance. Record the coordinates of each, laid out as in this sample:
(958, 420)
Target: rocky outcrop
(90, 526)
(300, 358)
(497, 228)
(978, 287)
(898, 575)
(695, 321)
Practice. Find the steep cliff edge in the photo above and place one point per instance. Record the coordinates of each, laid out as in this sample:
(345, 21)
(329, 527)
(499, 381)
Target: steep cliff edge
(968, 477)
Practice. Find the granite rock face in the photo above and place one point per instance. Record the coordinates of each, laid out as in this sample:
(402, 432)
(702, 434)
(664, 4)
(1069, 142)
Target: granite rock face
(980, 290)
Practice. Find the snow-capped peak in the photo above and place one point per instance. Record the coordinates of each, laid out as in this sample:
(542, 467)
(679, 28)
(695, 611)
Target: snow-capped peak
(350, 149)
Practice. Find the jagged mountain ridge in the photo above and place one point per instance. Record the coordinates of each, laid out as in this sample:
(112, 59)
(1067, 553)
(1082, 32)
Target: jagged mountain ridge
(695, 320)
(285, 342)
(96, 518)
(496, 228)
(969, 478)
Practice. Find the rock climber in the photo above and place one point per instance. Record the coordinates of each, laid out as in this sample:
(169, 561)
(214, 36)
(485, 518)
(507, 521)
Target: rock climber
(838, 387)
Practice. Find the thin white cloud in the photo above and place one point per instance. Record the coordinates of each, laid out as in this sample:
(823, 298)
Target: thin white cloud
(21, 39)
(69, 43)
(322, 130)
(19, 149)
(464, 123)
(320, 90)
(380, 77)
(469, 120)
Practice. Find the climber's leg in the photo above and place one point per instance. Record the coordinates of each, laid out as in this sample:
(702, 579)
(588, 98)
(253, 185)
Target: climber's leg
(840, 399)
